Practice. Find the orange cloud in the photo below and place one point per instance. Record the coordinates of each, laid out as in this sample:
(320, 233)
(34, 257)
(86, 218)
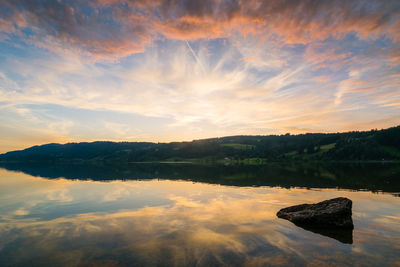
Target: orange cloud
(117, 28)
(249, 59)
(322, 79)
(360, 90)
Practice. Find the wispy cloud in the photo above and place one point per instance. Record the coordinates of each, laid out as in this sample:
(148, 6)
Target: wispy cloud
(119, 28)
(179, 70)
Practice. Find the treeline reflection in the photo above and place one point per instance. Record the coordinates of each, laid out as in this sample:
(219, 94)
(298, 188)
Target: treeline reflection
(377, 177)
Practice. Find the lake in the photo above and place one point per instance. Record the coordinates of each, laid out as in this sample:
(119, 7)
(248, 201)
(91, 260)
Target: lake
(193, 215)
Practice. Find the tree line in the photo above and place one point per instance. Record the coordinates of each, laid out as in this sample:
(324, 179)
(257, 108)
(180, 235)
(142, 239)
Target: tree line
(357, 145)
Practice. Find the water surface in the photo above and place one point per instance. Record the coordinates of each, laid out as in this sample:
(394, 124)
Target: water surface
(187, 220)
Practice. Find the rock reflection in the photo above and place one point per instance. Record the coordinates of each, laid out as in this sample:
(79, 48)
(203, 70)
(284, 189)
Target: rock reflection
(342, 235)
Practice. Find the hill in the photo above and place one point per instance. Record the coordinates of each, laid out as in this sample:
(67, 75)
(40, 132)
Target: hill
(349, 146)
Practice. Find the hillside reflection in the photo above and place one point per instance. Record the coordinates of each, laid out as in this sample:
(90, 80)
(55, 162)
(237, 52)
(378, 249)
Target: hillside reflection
(180, 236)
(63, 222)
(373, 177)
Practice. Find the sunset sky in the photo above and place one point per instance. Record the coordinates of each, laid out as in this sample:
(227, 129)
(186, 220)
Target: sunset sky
(174, 70)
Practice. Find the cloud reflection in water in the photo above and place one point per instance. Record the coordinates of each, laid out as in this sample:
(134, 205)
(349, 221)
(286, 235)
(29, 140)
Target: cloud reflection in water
(179, 223)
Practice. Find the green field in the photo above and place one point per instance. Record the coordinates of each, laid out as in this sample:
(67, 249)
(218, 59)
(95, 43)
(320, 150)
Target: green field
(327, 147)
(238, 146)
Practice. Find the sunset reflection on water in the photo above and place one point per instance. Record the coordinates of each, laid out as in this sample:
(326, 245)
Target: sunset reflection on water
(181, 223)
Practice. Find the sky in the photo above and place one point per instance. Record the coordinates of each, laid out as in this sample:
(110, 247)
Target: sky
(175, 70)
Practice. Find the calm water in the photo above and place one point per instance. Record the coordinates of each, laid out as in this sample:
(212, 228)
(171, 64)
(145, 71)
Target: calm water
(192, 216)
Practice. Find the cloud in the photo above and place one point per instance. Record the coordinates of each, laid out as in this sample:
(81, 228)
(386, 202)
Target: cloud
(322, 79)
(176, 92)
(60, 25)
(182, 70)
(114, 29)
(145, 220)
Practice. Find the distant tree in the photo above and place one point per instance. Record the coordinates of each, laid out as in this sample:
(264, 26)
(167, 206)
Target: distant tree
(310, 149)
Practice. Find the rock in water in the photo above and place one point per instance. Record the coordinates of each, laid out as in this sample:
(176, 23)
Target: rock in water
(332, 213)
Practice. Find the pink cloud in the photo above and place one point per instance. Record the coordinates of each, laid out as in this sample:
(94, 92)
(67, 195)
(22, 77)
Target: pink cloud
(117, 28)
(322, 79)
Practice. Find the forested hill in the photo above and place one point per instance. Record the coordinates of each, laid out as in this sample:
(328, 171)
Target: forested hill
(369, 145)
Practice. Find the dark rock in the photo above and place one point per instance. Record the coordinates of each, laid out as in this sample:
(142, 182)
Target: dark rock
(330, 218)
(333, 213)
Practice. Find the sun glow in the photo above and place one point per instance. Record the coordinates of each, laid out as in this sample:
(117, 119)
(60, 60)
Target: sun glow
(190, 74)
